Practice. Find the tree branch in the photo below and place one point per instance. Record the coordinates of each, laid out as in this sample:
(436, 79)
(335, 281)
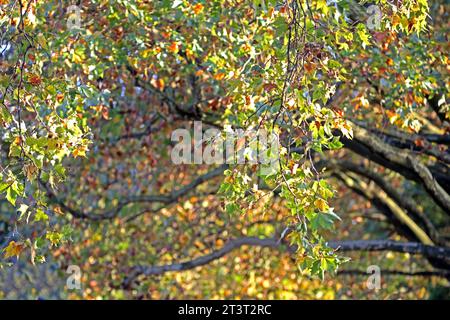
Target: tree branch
(349, 245)
(436, 273)
(406, 160)
(408, 141)
(405, 202)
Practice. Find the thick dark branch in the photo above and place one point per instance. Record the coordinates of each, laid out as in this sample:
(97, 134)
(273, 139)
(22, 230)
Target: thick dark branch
(350, 245)
(405, 161)
(388, 245)
(362, 150)
(398, 221)
(404, 224)
(437, 138)
(413, 142)
(404, 202)
(435, 273)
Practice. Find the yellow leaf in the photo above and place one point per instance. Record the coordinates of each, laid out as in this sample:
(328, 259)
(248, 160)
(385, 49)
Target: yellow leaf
(219, 76)
(58, 211)
(79, 152)
(14, 249)
(321, 204)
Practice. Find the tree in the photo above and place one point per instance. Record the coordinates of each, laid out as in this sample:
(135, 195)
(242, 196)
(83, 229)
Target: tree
(354, 94)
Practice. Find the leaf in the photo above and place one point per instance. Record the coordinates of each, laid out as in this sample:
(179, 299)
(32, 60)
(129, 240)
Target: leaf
(334, 215)
(54, 237)
(4, 186)
(322, 221)
(58, 211)
(22, 210)
(335, 144)
(79, 152)
(198, 8)
(11, 196)
(322, 5)
(40, 215)
(321, 205)
(363, 35)
(34, 79)
(176, 3)
(174, 48)
(14, 249)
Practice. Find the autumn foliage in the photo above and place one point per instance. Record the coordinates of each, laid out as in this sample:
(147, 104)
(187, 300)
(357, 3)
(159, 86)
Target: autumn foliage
(355, 91)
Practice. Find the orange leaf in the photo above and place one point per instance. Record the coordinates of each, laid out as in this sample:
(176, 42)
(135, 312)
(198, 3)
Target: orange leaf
(173, 47)
(419, 142)
(197, 8)
(199, 72)
(34, 79)
(219, 76)
(59, 97)
(158, 83)
(321, 204)
(58, 211)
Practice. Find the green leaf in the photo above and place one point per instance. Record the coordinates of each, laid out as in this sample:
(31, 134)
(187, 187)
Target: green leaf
(40, 215)
(11, 196)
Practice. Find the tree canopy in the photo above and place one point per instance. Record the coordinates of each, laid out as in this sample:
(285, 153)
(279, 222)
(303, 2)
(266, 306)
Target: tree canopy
(353, 92)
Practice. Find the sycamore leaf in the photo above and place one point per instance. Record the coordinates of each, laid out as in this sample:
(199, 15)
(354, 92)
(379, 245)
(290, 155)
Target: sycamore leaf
(54, 237)
(40, 215)
(321, 204)
(13, 249)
